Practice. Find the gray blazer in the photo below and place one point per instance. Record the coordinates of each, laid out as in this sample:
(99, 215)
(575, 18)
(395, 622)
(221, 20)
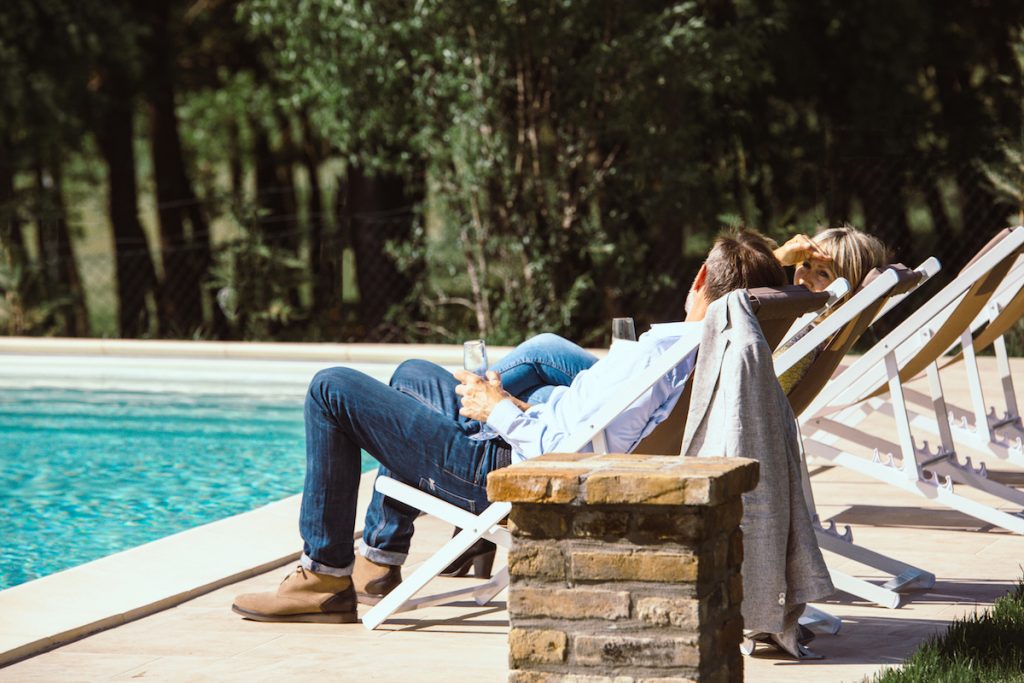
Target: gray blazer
(738, 409)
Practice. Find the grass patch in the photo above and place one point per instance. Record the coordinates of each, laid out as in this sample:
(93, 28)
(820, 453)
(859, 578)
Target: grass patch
(983, 648)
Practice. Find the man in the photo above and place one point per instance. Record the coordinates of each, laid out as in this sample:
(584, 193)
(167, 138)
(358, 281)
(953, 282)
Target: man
(419, 428)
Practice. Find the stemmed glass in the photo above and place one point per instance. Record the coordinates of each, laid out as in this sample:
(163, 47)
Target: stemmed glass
(474, 359)
(623, 329)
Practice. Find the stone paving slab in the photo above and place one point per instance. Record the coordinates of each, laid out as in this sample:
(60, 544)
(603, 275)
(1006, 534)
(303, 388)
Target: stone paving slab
(203, 640)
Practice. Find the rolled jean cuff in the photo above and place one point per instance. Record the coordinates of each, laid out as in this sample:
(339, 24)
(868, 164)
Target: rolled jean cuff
(382, 556)
(318, 568)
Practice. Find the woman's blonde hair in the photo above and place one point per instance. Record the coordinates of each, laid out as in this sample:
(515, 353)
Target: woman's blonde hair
(854, 253)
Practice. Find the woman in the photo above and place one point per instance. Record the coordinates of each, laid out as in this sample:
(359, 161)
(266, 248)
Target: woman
(837, 252)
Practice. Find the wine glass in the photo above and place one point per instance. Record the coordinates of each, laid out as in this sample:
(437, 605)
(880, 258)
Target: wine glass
(474, 359)
(623, 329)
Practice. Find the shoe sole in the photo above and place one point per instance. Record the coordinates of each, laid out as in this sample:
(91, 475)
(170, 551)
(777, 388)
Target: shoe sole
(367, 599)
(311, 618)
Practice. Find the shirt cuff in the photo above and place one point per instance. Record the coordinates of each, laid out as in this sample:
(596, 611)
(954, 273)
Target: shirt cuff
(502, 416)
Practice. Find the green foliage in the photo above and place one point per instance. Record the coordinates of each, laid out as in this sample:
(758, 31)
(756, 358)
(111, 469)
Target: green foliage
(254, 286)
(575, 156)
(49, 51)
(982, 648)
(26, 308)
(562, 141)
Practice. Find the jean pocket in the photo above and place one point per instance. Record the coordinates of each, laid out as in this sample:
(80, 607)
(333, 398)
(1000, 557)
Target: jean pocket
(468, 466)
(430, 486)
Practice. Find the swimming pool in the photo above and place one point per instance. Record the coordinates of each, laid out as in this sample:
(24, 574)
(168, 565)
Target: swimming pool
(86, 473)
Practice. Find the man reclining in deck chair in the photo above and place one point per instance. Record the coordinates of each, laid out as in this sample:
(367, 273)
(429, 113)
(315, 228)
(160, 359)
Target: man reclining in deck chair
(532, 370)
(421, 436)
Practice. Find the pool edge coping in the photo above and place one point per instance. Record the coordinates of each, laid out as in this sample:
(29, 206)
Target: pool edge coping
(306, 351)
(279, 547)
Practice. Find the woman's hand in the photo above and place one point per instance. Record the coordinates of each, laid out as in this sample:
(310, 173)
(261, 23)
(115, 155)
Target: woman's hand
(479, 396)
(799, 249)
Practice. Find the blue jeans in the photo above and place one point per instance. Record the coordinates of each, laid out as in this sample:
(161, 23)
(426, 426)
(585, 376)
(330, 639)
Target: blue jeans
(412, 428)
(531, 370)
(529, 373)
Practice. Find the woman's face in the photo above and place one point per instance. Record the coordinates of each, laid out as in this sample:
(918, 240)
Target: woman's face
(814, 274)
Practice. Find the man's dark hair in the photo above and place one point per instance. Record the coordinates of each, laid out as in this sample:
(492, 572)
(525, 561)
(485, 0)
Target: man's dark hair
(741, 260)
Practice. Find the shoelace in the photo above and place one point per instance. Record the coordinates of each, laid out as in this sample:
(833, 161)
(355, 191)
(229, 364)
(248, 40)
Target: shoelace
(298, 570)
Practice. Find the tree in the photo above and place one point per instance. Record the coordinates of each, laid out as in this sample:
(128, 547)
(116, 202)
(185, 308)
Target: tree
(186, 255)
(41, 74)
(541, 129)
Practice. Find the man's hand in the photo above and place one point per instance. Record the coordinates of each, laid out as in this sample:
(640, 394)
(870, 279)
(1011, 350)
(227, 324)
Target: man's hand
(479, 396)
(800, 248)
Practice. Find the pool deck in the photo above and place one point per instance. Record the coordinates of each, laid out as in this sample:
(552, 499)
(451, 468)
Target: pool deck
(190, 634)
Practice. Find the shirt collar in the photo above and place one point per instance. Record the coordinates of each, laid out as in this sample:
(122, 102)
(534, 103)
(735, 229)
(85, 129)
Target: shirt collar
(663, 330)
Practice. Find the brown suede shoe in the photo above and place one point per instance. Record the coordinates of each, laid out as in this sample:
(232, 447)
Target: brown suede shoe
(303, 596)
(373, 581)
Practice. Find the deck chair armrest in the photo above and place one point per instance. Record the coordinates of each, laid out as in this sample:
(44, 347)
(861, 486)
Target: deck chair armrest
(927, 270)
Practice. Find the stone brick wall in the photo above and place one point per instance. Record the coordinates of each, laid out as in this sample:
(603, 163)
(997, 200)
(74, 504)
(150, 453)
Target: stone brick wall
(625, 568)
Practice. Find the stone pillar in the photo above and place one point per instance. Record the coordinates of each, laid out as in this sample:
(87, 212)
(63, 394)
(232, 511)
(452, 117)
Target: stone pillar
(625, 568)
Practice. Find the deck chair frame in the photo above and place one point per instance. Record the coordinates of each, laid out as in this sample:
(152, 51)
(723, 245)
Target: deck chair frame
(983, 429)
(913, 346)
(485, 525)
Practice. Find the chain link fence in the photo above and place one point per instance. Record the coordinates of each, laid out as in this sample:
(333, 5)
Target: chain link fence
(381, 280)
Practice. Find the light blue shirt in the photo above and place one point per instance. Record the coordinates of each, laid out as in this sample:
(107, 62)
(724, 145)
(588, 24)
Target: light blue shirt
(541, 428)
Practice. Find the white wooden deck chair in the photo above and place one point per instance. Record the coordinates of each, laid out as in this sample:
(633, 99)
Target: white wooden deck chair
(836, 335)
(998, 434)
(777, 308)
(911, 348)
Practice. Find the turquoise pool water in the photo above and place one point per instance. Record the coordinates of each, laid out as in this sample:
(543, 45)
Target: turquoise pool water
(87, 473)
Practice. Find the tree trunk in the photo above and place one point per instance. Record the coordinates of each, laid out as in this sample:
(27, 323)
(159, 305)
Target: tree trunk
(12, 242)
(276, 219)
(235, 172)
(323, 255)
(185, 259)
(288, 227)
(57, 253)
(136, 276)
(378, 210)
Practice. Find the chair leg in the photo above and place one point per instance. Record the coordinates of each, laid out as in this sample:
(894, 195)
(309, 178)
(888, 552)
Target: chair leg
(905, 576)
(488, 591)
(473, 527)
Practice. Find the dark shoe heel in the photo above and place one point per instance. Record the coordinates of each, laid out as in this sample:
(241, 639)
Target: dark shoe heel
(460, 567)
(482, 565)
(475, 556)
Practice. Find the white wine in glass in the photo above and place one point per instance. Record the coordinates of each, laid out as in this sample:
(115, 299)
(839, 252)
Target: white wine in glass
(474, 359)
